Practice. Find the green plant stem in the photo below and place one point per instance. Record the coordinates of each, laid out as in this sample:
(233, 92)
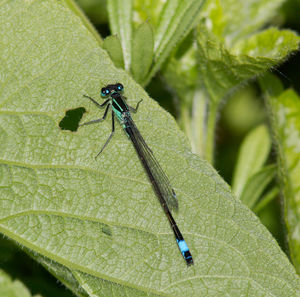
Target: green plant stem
(198, 123)
(194, 124)
(186, 121)
(210, 131)
(200, 126)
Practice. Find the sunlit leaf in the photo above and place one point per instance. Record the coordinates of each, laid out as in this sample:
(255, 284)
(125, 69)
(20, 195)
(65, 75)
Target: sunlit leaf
(142, 51)
(112, 45)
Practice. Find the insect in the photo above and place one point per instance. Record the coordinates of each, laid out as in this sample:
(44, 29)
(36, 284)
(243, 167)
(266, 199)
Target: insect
(160, 182)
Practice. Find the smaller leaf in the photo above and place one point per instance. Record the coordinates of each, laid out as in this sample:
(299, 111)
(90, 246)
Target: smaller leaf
(142, 51)
(181, 73)
(256, 184)
(284, 109)
(120, 20)
(147, 10)
(252, 155)
(176, 21)
(9, 288)
(113, 46)
(239, 21)
(225, 67)
(266, 199)
(270, 44)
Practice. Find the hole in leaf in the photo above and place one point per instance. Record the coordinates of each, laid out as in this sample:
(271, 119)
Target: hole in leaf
(72, 118)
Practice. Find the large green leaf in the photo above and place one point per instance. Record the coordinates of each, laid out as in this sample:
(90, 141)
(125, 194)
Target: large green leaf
(285, 111)
(9, 288)
(96, 224)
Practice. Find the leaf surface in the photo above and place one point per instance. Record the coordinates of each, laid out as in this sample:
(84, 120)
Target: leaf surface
(142, 51)
(112, 45)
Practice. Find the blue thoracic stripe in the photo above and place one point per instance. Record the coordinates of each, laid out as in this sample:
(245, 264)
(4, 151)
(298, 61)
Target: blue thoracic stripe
(182, 246)
(115, 101)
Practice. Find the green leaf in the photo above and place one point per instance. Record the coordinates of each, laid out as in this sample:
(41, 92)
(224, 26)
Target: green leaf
(182, 74)
(142, 51)
(284, 107)
(147, 11)
(97, 223)
(224, 68)
(230, 52)
(9, 288)
(76, 9)
(112, 45)
(177, 19)
(266, 199)
(253, 153)
(120, 20)
(181, 80)
(238, 21)
(270, 44)
(256, 184)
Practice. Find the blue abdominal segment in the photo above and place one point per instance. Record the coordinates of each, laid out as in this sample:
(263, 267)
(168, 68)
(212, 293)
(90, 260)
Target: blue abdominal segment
(185, 251)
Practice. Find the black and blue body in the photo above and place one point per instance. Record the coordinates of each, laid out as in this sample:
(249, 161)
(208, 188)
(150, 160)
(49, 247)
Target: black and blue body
(159, 180)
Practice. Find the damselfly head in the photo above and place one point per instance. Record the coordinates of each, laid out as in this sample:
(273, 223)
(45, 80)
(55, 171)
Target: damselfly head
(110, 89)
(119, 87)
(105, 92)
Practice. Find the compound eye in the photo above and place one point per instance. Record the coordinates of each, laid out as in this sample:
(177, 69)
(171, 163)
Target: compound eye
(119, 87)
(104, 92)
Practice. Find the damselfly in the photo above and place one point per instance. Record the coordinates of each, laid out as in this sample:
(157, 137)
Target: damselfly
(160, 182)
